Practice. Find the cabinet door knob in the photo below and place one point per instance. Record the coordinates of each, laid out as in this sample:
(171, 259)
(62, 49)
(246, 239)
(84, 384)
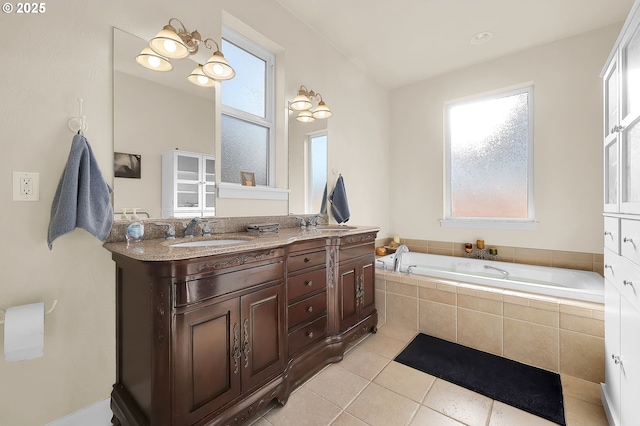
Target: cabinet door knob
(627, 240)
(308, 283)
(625, 282)
(307, 260)
(310, 334)
(616, 359)
(608, 233)
(608, 267)
(310, 309)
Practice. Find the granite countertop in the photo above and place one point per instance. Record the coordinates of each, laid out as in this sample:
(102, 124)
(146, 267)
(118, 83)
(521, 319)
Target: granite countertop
(156, 250)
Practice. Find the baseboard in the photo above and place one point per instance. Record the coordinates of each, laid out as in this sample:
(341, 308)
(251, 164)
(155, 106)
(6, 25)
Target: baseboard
(98, 414)
(605, 405)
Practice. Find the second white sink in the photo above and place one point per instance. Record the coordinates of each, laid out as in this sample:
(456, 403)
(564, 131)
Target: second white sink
(207, 243)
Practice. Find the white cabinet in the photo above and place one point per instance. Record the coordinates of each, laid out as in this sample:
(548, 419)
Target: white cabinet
(188, 184)
(621, 85)
(621, 81)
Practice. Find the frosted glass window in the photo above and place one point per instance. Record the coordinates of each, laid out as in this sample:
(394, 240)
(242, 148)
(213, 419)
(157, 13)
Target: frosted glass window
(247, 90)
(247, 126)
(489, 152)
(244, 149)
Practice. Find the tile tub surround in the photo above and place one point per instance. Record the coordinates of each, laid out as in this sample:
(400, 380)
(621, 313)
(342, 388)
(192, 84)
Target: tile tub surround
(593, 262)
(560, 335)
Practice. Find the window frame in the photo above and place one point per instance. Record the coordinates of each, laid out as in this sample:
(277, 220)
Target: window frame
(243, 42)
(528, 223)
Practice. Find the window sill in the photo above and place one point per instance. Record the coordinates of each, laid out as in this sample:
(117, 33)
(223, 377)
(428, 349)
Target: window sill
(234, 190)
(513, 225)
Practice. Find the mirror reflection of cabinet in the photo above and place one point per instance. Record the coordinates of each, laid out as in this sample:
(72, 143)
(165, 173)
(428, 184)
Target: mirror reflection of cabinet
(188, 184)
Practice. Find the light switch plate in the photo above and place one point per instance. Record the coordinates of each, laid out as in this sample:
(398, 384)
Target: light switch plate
(26, 186)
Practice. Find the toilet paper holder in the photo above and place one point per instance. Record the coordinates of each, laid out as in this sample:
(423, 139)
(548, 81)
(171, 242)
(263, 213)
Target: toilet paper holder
(47, 312)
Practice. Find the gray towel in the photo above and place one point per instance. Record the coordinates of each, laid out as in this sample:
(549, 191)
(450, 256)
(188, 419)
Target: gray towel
(82, 199)
(339, 203)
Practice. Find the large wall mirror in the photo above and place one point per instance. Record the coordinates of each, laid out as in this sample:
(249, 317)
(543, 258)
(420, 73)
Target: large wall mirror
(155, 112)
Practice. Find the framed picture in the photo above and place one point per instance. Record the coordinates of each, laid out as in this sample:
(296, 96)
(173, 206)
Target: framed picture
(247, 179)
(126, 165)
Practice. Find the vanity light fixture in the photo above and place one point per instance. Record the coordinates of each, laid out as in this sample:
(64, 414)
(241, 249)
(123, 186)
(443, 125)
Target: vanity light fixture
(310, 105)
(172, 43)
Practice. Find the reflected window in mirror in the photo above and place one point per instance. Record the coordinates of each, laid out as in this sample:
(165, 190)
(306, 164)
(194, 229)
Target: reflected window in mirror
(247, 125)
(316, 173)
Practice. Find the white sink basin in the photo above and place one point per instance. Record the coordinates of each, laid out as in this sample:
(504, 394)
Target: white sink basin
(208, 243)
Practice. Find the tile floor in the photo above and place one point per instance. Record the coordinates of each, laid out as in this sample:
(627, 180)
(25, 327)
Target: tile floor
(368, 388)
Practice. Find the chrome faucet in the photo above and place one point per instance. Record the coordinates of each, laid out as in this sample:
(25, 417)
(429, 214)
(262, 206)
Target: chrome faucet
(191, 227)
(170, 232)
(397, 258)
(206, 230)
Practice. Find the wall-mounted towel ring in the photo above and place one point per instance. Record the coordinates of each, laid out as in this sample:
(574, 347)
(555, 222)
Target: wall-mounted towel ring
(53, 306)
(78, 124)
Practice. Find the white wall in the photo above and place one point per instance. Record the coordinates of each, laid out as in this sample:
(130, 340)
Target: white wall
(567, 144)
(50, 60)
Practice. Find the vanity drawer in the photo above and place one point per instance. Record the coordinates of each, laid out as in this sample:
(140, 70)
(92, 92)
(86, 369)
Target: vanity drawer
(307, 308)
(630, 239)
(630, 287)
(612, 234)
(194, 291)
(613, 268)
(306, 283)
(307, 335)
(307, 260)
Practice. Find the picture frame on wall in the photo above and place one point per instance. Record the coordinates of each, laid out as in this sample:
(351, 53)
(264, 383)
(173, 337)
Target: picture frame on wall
(127, 165)
(248, 178)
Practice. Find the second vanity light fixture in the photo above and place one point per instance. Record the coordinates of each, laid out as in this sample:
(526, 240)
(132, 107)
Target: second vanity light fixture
(172, 43)
(310, 106)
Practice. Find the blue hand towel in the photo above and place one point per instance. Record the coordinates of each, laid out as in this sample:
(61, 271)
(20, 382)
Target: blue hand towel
(82, 199)
(339, 203)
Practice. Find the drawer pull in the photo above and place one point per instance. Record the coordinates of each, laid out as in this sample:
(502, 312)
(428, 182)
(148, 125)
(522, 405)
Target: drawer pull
(307, 260)
(237, 354)
(628, 240)
(608, 267)
(608, 233)
(310, 334)
(310, 309)
(308, 283)
(625, 282)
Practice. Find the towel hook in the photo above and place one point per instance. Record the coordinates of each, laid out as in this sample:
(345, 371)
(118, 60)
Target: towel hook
(336, 172)
(79, 123)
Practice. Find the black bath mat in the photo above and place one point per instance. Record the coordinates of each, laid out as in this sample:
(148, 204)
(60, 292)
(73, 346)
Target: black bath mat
(530, 389)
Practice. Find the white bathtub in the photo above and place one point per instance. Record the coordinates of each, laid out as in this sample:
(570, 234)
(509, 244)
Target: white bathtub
(558, 282)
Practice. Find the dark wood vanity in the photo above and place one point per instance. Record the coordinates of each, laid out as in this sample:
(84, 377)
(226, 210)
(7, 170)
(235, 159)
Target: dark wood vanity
(211, 340)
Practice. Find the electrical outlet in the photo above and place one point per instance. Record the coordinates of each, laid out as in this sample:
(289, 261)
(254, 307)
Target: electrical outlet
(26, 186)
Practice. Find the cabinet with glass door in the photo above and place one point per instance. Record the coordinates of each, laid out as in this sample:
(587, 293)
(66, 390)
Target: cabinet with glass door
(188, 184)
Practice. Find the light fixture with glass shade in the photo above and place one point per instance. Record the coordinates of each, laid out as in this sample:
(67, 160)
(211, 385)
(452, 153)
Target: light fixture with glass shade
(172, 43)
(310, 106)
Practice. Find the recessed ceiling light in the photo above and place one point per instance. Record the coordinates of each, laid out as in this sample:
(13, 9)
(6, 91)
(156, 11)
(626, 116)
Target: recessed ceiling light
(481, 38)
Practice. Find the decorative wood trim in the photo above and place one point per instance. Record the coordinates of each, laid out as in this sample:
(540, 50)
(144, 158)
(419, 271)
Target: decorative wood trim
(359, 238)
(236, 261)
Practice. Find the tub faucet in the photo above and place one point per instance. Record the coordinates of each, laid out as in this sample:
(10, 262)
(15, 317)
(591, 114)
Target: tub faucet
(397, 258)
(502, 271)
(191, 227)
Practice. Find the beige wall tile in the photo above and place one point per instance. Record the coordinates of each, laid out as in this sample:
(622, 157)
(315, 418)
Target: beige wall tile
(402, 311)
(381, 306)
(393, 277)
(532, 256)
(527, 313)
(438, 296)
(441, 245)
(479, 304)
(380, 282)
(531, 344)
(447, 286)
(546, 303)
(576, 310)
(582, 356)
(594, 327)
(439, 320)
(426, 282)
(479, 330)
(403, 289)
(515, 298)
(441, 251)
(409, 280)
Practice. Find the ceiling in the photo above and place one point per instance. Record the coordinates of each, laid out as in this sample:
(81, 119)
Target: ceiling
(398, 42)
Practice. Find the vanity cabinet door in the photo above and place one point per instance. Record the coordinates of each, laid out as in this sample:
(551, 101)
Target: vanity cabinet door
(263, 335)
(348, 286)
(367, 288)
(207, 364)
